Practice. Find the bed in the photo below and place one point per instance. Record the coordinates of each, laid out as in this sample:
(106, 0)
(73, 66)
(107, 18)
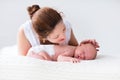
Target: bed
(13, 67)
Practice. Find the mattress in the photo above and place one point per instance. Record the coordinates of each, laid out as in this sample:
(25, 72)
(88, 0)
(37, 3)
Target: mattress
(14, 67)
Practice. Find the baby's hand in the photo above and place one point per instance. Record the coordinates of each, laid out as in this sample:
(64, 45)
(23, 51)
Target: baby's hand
(74, 60)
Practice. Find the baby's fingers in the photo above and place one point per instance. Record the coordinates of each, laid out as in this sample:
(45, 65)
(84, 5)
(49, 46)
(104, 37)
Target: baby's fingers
(74, 60)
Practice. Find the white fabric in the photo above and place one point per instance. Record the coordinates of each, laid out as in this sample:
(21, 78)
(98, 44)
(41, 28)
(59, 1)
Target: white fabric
(104, 67)
(32, 36)
(34, 41)
(68, 30)
(48, 49)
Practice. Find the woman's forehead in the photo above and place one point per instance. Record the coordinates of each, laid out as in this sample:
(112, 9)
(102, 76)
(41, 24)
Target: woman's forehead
(60, 26)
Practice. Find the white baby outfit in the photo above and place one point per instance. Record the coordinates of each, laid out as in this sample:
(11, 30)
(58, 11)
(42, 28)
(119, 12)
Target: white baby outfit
(34, 41)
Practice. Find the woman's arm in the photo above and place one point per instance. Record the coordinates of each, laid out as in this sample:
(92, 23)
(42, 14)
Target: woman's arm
(73, 40)
(22, 42)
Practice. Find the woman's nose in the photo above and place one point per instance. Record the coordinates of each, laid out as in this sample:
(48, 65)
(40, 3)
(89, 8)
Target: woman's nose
(62, 37)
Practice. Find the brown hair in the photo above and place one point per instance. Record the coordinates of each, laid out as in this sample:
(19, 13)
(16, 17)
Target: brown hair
(43, 19)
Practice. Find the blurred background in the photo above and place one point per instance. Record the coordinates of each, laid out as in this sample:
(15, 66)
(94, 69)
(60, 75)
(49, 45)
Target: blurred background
(90, 19)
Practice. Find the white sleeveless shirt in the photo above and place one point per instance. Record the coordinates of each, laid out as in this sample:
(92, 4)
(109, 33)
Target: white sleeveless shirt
(31, 35)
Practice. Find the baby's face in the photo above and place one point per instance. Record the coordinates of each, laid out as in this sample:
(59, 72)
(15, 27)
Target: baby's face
(85, 52)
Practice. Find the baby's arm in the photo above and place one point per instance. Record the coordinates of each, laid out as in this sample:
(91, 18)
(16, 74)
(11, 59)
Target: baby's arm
(65, 53)
(67, 59)
(67, 56)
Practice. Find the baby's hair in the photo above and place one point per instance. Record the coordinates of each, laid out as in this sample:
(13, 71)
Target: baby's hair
(32, 9)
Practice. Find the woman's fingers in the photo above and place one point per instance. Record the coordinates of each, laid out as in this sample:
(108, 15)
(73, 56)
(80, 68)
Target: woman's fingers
(95, 43)
(92, 41)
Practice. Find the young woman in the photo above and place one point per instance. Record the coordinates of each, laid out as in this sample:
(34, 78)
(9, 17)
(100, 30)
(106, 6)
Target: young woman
(46, 26)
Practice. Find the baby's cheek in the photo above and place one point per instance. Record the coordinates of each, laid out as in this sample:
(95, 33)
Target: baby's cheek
(77, 50)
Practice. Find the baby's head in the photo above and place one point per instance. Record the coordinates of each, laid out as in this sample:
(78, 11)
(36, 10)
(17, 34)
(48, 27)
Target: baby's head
(85, 52)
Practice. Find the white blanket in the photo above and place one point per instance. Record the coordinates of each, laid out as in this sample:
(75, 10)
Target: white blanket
(13, 67)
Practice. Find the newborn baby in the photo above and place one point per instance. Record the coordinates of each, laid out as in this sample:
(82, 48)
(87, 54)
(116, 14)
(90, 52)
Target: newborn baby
(66, 53)
(75, 54)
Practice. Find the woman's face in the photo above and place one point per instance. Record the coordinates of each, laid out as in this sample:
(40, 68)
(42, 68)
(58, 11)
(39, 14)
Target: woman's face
(58, 34)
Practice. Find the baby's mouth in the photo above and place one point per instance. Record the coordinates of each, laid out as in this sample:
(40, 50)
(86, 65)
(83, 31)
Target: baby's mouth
(78, 57)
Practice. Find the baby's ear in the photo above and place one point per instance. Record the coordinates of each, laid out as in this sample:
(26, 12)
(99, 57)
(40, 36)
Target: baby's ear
(80, 44)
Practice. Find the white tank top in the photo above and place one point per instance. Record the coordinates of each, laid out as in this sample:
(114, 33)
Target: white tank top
(31, 35)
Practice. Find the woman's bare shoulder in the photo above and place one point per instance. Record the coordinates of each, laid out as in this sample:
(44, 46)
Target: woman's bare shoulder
(22, 42)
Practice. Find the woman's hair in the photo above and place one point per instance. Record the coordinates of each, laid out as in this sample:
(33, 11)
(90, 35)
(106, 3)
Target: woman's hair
(43, 19)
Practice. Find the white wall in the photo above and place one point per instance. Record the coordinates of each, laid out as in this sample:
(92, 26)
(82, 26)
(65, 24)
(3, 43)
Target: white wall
(99, 19)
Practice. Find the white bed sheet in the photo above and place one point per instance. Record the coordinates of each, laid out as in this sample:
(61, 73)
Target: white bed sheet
(14, 67)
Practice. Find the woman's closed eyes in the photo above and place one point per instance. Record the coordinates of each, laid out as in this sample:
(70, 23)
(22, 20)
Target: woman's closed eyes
(57, 36)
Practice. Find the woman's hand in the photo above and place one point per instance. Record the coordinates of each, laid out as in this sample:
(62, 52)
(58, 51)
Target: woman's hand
(92, 41)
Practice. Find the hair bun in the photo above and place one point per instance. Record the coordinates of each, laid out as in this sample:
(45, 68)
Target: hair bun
(32, 9)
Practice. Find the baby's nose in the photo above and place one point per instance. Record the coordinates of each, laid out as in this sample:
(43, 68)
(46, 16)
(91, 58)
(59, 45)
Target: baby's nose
(82, 56)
